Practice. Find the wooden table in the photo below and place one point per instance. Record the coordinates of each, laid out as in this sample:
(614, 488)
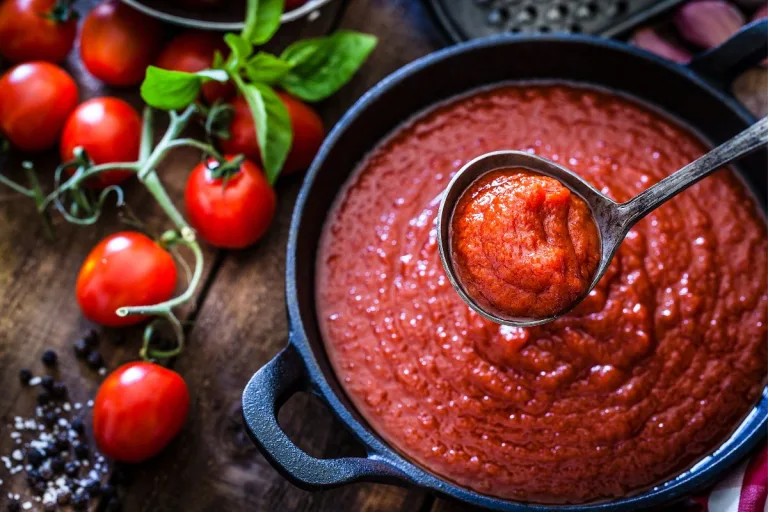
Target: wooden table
(239, 316)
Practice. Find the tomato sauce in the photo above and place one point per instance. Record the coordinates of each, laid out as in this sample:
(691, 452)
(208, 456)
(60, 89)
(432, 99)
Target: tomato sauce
(523, 245)
(652, 371)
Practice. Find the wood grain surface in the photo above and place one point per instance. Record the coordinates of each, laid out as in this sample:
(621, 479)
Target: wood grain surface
(240, 318)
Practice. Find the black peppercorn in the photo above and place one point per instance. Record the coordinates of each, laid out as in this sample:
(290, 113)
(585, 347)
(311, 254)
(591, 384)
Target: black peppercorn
(47, 382)
(14, 506)
(46, 473)
(35, 457)
(43, 398)
(49, 507)
(32, 477)
(25, 376)
(49, 418)
(81, 451)
(40, 487)
(92, 338)
(62, 443)
(77, 425)
(95, 361)
(71, 469)
(57, 464)
(49, 358)
(82, 349)
(59, 390)
(120, 476)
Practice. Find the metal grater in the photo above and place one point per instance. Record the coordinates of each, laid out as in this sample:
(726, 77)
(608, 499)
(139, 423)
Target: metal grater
(469, 19)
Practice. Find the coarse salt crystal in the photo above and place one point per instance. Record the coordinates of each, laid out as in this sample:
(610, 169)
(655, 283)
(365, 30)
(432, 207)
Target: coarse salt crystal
(102, 371)
(89, 403)
(63, 423)
(34, 381)
(67, 407)
(15, 435)
(78, 406)
(17, 455)
(27, 505)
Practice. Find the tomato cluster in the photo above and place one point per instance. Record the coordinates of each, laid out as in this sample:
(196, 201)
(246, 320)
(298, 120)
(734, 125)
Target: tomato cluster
(139, 407)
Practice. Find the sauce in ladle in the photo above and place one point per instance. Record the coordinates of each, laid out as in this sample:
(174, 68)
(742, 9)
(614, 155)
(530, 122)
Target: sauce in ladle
(524, 245)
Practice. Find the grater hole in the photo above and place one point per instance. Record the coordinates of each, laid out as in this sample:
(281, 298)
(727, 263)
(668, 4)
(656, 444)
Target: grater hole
(587, 10)
(483, 3)
(527, 15)
(617, 9)
(514, 30)
(557, 12)
(574, 28)
(544, 29)
(498, 16)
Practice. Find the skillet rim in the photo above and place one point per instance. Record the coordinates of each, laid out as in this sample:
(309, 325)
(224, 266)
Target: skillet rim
(719, 461)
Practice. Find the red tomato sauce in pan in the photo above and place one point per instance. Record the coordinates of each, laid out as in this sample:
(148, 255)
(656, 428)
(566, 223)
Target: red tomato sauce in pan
(651, 372)
(523, 244)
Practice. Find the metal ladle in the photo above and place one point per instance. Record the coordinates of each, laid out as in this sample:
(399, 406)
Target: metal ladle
(613, 219)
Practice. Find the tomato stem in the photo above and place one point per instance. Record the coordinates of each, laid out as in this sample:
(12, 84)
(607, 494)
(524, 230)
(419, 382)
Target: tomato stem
(147, 134)
(202, 146)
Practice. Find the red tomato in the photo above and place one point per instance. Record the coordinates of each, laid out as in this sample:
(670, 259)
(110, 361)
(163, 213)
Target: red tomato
(293, 4)
(109, 130)
(308, 133)
(117, 43)
(138, 410)
(35, 100)
(232, 215)
(124, 269)
(33, 30)
(193, 51)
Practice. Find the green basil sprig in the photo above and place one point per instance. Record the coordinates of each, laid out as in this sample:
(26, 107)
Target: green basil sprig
(311, 69)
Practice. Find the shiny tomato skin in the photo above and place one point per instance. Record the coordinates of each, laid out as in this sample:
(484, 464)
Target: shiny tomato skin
(124, 269)
(234, 215)
(193, 51)
(308, 133)
(117, 43)
(28, 33)
(35, 100)
(138, 410)
(109, 130)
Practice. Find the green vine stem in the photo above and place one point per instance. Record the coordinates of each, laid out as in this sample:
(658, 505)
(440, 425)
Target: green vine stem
(145, 169)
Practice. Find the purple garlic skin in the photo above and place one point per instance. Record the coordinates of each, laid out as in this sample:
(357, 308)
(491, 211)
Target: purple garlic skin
(649, 40)
(708, 23)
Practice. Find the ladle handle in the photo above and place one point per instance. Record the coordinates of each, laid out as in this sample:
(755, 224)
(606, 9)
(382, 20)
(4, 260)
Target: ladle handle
(747, 141)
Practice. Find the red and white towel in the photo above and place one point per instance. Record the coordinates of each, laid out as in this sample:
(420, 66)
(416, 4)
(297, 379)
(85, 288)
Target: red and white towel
(744, 490)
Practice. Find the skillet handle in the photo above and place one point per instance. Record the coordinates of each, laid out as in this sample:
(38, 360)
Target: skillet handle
(266, 392)
(746, 48)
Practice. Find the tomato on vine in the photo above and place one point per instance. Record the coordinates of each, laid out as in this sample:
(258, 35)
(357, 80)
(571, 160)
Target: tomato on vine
(124, 269)
(109, 130)
(36, 30)
(138, 410)
(117, 43)
(232, 209)
(35, 100)
(193, 51)
(308, 133)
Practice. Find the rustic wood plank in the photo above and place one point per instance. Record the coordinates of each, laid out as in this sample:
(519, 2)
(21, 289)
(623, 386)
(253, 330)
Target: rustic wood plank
(37, 278)
(242, 324)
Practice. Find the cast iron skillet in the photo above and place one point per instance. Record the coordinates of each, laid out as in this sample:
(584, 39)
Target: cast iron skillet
(695, 94)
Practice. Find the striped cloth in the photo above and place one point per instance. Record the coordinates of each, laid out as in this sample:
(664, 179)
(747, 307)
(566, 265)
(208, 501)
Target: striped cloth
(744, 490)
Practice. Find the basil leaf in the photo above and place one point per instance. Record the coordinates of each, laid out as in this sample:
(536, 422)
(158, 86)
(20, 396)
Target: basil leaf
(265, 67)
(322, 66)
(273, 127)
(241, 50)
(262, 20)
(170, 90)
(174, 90)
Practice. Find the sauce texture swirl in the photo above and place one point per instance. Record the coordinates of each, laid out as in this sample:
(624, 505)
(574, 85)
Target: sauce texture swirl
(653, 370)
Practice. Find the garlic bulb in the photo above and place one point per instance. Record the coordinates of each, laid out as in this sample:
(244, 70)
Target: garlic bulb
(708, 23)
